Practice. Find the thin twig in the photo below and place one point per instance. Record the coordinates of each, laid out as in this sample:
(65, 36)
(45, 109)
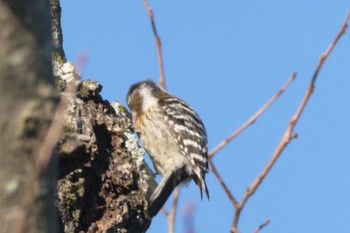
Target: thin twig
(47, 147)
(43, 157)
(172, 214)
(158, 44)
(330, 47)
(253, 118)
(223, 184)
(249, 122)
(54, 132)
(82, 60)
(189, 217)
(288, 135)
(165, 212)
(264, 224)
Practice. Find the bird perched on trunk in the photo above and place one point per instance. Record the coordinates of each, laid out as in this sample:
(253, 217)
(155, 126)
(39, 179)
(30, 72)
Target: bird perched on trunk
(174, 137)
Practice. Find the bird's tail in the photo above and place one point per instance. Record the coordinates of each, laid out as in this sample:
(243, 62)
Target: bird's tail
(163, 191)
(199, 179)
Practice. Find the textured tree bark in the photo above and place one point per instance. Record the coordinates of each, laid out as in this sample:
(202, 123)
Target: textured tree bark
(27, 103)
(104, 184)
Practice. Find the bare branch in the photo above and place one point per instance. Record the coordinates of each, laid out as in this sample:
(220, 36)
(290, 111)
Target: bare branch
(82, 60)
(249, 122)
(165, 212)
(264, 224)
(52, 136)
(253, 118)
(171, 216)
(288, 135)
(158, 44)
(223, 184)
(330, 47)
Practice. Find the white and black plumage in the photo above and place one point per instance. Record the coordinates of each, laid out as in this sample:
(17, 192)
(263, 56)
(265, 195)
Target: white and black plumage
(173, 135)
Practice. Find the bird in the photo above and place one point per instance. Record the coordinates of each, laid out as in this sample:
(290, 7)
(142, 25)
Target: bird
(174, 137)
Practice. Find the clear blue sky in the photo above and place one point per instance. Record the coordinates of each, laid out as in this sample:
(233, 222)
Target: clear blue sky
(226, 58)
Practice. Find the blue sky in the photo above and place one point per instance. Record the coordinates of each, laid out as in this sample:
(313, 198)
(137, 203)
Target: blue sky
(226, 59)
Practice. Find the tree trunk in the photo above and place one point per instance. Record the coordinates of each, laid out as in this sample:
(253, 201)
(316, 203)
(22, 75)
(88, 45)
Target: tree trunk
(28, 101)
(104, 184)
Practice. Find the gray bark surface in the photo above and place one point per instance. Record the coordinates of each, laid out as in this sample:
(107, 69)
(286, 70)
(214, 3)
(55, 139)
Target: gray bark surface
(27, 103)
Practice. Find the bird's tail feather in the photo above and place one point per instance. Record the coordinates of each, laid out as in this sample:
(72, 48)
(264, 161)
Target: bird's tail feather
(200, 182)
(163, 191)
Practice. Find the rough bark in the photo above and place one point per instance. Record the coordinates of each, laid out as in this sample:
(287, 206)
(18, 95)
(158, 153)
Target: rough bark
(104, 184)
(28, 101)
